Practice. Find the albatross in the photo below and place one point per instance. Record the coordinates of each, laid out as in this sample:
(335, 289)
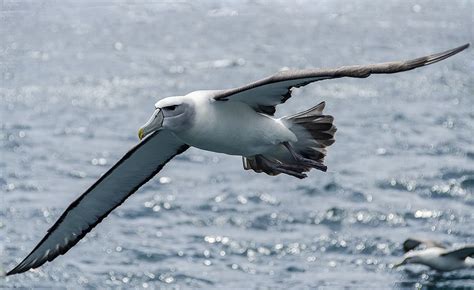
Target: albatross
(237, 121)
(436, 255)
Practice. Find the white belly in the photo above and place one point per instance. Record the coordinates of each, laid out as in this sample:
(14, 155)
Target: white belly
(434, 258)
(446, 264)
(234, 128)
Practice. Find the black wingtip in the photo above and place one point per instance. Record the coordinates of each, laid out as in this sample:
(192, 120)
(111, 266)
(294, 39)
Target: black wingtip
(445, 54)
(11, 272)
(457, 49)
(462, 47)
(15, 270)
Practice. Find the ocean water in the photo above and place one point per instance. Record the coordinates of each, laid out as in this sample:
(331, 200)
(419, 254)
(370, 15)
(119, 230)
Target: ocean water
(78, 78)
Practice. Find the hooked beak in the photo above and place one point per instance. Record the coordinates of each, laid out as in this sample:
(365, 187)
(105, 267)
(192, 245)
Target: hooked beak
(154, 123)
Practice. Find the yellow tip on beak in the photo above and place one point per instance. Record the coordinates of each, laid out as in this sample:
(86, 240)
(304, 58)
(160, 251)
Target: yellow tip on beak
(141, 133)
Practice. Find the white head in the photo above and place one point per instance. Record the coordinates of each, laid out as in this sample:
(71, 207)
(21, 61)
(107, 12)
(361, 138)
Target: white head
(172, 113)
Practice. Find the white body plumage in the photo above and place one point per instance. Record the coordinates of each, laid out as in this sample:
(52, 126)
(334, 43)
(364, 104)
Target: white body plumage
(218, 126)
(434, 258)
(437, 256)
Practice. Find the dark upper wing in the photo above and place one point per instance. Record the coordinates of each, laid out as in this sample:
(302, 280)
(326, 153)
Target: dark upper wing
(138, 166)
(410, 244)
(265, 94)
(463, 253)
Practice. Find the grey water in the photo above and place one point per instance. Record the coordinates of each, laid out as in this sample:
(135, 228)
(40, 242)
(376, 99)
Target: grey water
(78, 78)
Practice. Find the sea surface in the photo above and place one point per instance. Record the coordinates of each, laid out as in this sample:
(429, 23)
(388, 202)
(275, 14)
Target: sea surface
(78, 78)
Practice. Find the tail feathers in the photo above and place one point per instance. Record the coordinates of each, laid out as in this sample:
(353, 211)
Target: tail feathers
(314, 132)
(313, 129)
(320, 128)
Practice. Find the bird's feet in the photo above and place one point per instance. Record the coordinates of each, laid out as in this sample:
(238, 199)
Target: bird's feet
(305, 161)
(284, 168)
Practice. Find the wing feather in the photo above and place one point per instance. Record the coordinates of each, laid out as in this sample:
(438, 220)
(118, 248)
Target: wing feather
(138, 166)
(463, 253)
(276, 89)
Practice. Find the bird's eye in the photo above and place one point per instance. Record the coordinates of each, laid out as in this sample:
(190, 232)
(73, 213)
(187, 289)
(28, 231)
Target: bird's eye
(170, 108)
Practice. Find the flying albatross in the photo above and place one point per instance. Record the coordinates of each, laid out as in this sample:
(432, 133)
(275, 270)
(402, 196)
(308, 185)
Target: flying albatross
(436, 255)
(237, 121)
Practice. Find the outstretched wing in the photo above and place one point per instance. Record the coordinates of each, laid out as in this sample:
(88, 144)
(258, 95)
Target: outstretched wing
(411, 244)
(265, 94)
(138, 166)
(463, 253)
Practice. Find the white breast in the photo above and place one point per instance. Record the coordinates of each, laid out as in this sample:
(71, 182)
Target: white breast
(233, 128)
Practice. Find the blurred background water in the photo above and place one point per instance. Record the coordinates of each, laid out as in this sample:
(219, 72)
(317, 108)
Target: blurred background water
(78, 78)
